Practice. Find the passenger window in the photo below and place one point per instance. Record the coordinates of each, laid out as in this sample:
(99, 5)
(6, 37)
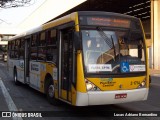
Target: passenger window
(12, 45)
(51, 54)
(33, 55)
(34, 41)
(42, 39)
(9, 49)
(21, 49)
(42, 53)
(51, 39)
(17, 48)
(42, 47)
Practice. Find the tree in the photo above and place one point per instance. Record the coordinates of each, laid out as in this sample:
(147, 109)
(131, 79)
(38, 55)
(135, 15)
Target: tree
(15, 3)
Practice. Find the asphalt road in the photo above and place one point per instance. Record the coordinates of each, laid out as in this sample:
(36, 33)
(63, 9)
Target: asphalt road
(24, 98)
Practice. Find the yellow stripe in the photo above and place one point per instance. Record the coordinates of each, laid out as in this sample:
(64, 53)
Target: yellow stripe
(81, 87)
(76, 22)
(60, 21)
(146, 55)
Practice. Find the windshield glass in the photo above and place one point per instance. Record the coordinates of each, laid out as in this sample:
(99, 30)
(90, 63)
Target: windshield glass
(113, 51)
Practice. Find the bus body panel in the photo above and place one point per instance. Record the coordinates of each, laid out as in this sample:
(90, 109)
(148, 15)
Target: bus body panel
(19, 66)
(34, 80)
(38, 72)
(20, 71)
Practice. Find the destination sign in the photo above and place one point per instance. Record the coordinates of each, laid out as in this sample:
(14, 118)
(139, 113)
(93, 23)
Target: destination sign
(110, 21)
(99, 67)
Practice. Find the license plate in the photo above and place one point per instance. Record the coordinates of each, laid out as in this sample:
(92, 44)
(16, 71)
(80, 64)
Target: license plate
(120, 96)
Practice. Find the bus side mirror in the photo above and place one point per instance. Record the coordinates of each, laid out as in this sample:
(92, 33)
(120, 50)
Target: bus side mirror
(77, 41)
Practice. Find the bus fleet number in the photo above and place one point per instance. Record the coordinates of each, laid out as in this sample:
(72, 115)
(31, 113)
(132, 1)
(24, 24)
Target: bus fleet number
(135, 83)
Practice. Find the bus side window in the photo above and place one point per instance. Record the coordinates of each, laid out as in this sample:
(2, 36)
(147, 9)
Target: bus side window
(51, 37)
(51, 54)
(42, 47)
(33, 53)
(21, 49)
(9, 49)
(16, 50)
(12, 49)
(42, 41)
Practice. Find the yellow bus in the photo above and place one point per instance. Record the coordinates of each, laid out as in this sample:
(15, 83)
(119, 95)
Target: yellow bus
(84, 58)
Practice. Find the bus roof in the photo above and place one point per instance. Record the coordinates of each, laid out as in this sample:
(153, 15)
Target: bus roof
(68, 18)
(106, 13)
(57, 22)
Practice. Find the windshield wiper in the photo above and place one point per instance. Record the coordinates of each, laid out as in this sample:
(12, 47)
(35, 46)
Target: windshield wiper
(105, 37)
(109, 41)
(113, 47)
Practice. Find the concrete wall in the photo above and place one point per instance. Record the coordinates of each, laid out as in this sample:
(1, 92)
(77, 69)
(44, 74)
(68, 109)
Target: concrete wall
(155, 33)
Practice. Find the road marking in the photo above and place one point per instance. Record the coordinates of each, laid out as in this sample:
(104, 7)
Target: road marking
(8, 99)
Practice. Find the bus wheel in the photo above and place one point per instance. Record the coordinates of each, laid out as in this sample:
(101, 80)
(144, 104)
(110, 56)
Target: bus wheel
(50, 93)
(15, 77)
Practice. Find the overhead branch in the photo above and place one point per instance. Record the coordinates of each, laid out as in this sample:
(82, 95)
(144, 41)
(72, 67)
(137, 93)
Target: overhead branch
(15, 3)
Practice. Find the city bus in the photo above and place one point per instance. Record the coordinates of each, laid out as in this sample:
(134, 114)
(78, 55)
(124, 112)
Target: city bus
(84, 58)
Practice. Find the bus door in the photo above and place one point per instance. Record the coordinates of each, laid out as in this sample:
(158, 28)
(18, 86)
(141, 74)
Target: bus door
(26, 59)
(66, 64)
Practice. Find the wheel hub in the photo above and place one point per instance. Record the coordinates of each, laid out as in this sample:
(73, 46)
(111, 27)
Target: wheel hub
(51, 91)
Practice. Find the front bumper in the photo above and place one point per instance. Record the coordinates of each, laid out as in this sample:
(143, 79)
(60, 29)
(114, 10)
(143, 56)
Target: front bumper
(108, 97)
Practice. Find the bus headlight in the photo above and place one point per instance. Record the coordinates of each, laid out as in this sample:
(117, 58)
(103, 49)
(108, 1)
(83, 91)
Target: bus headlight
(90, 86)
(143, 84)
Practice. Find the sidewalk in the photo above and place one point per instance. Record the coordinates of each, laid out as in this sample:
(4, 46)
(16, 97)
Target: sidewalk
(155, 73)
(155, 76)
(3, 104)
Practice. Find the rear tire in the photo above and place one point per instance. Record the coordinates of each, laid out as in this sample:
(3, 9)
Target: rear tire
(50, 92)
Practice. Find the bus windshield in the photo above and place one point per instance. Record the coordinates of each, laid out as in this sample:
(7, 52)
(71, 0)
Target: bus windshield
(113, 51)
